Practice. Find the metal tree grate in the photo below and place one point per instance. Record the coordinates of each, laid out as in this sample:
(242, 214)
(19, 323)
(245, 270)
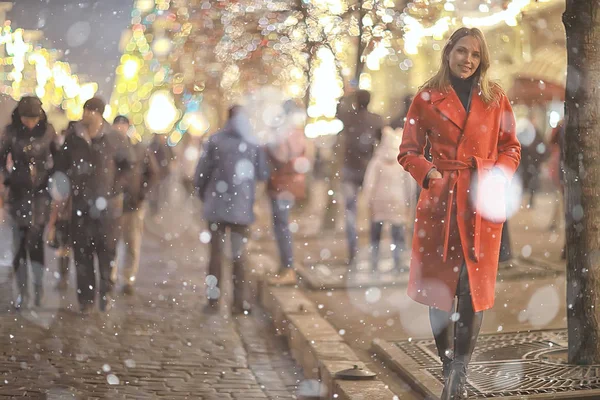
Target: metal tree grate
(513, 364)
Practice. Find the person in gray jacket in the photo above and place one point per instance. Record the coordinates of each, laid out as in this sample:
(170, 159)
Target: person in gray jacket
(226, 176)
(96, 160)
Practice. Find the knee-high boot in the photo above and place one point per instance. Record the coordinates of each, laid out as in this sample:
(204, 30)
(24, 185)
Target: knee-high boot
(442, 328)
(466, 332)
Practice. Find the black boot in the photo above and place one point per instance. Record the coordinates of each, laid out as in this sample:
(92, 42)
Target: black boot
(466, 332)
(442, 328)
(455, 387)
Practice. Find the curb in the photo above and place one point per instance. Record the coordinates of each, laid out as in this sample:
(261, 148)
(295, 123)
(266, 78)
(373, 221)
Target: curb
(316, 345)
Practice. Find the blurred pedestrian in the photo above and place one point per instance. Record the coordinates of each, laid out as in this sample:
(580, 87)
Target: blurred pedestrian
(557, 174)
(534, 153)
(361, 133)
(456, 241)
(226, 176)
(28, 140)
(59, 226)
(390, 192)
(165, 158)
(287, 186)
(97, 160)
(143, 175)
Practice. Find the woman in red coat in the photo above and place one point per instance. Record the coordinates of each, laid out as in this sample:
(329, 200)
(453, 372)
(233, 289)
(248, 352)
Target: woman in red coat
(469, 123)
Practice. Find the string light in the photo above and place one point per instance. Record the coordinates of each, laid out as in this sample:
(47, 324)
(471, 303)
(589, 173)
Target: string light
(415, 31)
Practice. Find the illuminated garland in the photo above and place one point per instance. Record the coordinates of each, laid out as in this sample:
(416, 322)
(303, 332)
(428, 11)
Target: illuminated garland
(37, 71)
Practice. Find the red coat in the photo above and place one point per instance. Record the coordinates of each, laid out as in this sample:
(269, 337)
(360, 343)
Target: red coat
(449, 228)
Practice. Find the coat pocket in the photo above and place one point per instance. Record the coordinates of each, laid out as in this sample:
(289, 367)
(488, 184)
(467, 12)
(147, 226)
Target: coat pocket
(434, 198)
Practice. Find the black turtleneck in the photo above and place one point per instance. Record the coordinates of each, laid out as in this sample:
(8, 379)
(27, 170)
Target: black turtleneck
(462, 87)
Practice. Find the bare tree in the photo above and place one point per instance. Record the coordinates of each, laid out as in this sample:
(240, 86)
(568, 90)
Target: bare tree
(582, 175)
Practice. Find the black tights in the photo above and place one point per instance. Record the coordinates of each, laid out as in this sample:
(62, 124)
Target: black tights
(456, 334)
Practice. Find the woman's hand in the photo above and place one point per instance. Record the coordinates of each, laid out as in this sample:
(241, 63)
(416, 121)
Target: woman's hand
(434, 174)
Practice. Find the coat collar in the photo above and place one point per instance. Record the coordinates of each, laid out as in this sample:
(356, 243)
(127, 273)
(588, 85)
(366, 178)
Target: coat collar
(449, 105)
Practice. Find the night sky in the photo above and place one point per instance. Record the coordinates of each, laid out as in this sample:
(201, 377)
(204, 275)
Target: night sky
(87, 30)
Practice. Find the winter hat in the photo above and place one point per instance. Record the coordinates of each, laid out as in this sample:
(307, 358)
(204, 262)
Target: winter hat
(30, 106)
(95, 104)
(121, 119)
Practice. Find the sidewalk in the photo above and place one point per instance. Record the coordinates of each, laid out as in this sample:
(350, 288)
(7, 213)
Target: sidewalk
(155, 344)
(531, 293)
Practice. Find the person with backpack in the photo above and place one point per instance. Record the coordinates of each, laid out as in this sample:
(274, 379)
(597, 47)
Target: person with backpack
(231, 164)
(28, 141)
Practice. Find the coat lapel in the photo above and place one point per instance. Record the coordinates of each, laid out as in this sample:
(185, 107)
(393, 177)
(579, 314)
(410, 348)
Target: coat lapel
(448, 104)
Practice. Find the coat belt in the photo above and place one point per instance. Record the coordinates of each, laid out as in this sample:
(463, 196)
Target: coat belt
(480, 165)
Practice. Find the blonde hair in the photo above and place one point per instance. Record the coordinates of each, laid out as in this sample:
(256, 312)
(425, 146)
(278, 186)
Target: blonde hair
(490, 91)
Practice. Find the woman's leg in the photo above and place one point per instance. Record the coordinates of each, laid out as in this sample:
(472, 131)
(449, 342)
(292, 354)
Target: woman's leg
(376, 228)
(20, 265)
(399, 241)
(281, 216)
(466, 332)
(35, 248)
(442, 328)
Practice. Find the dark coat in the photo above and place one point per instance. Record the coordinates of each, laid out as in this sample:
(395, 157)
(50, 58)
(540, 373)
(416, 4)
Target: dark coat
(362, 132)
(97, 169)
(164, 155)
(142, 177)
(27, 181)
(226, 176)
(460, 216)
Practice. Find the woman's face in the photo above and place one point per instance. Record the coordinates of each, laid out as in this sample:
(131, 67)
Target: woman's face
(465, 57)
(30, 122)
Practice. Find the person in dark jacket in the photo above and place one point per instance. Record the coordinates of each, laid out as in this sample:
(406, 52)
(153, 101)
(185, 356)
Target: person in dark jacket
(28, 140)
(59, 225)
(142, 177)
(361, 133)
(226, 176)
(97, 160)
(165, 157)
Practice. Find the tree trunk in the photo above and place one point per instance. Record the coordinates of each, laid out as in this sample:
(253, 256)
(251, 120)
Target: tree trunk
(582, 175)
(360, 48)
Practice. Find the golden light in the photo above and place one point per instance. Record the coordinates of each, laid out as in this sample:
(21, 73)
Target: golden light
(326, 87)
(374, 58)
(508, 16)
(144, 5)
(130, 68)
(175, 137)
(366, 82)
(87, 91)
(195, 123)
(161, 47)
(107, 112)
(162, 112)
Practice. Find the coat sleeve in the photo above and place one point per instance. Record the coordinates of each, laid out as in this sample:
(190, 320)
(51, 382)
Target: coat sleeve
(5, 149)
(509, 148)
(414, 139)
(151, 171)
(204, 168)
